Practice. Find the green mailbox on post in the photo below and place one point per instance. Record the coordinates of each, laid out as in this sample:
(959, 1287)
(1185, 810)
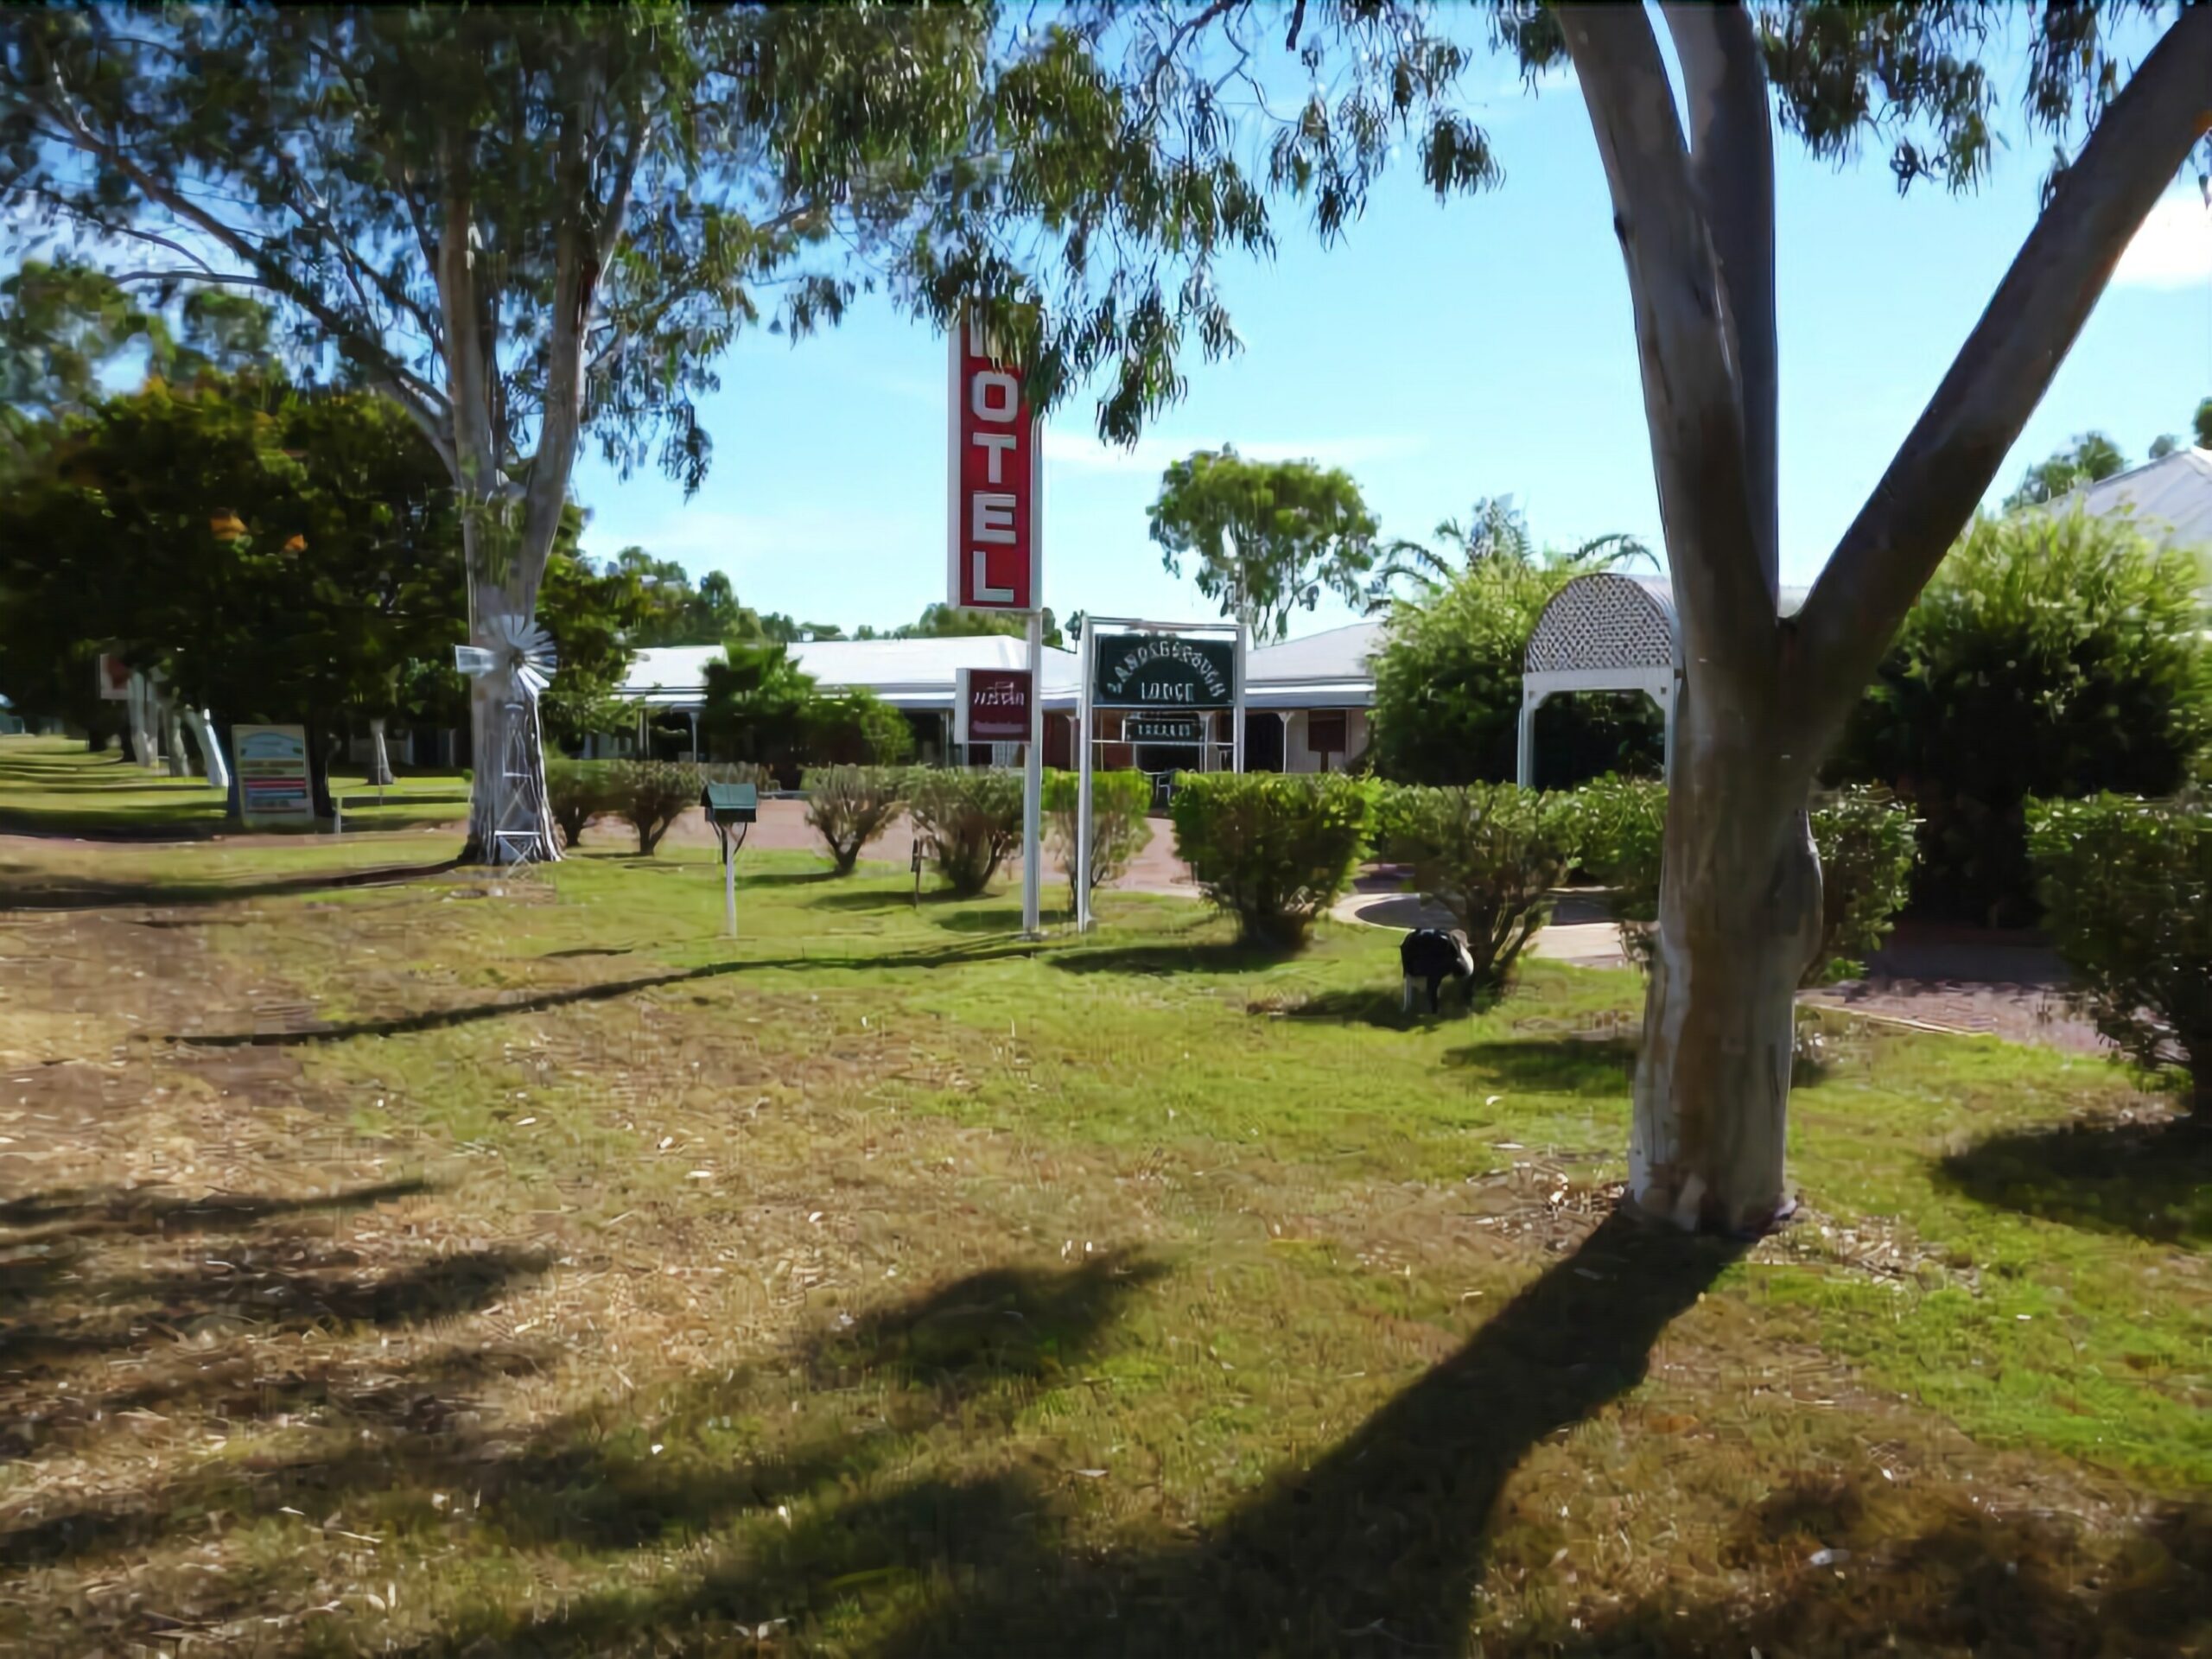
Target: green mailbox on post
(731, 807)
(729, 803)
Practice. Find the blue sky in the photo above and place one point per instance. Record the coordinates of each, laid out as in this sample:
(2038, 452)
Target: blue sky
(1438, 353)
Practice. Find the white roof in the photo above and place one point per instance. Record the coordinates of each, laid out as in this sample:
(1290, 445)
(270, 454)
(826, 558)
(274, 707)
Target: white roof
(1333, 654)
(2171, 498)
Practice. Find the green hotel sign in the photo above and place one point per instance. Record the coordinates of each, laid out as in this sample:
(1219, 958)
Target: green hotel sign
(1163, 671)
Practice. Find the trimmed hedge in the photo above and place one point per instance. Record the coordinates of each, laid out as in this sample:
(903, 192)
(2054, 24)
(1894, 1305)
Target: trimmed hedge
(850, 806)
(970, 820)
(2053, 656)
(1119, 827)
(2126, 887)
(1272, 850)
(651, 795)
(1491, 853)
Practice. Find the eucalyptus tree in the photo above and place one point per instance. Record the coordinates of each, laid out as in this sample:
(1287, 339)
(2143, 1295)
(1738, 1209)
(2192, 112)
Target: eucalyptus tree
(533, 227)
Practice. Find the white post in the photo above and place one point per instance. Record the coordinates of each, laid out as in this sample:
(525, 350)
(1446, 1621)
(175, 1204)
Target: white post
(1667, 728)
(211, 752)
(729, 886)
(1236, 731)
(1083, 657)
(1032, 788)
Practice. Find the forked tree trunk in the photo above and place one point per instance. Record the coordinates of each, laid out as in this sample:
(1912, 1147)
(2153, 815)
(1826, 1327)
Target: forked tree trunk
(379, 756)
(1740, 916)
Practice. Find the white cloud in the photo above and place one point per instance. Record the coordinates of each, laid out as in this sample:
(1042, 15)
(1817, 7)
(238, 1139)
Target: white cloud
(2173, 249)
(1080, 452)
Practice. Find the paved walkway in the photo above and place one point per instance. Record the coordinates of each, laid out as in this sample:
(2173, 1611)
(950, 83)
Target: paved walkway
(1945, 979)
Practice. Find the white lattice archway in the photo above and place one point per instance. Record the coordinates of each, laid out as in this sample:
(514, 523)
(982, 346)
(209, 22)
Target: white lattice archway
(1604, 632)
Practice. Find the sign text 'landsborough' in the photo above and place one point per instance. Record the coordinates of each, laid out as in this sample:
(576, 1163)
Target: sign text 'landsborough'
(997, 484)
(991, 705)
(1163, 671)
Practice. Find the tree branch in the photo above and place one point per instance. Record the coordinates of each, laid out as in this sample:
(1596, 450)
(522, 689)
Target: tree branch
(1953, 452)
(1731, 163)
(1692, 398)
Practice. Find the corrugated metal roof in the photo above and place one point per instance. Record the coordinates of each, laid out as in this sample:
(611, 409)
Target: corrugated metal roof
(2171, 498)
(1333, 654)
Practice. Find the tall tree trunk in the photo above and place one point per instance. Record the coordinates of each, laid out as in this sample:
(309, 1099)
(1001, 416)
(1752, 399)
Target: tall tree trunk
(211, 759)
(180, 763)
(379, 756)
(1740, 916)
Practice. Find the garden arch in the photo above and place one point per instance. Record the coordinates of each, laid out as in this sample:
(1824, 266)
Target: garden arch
(1607, 632)
(1604, 632)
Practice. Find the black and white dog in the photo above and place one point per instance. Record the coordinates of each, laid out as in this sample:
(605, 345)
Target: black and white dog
(1432, 955)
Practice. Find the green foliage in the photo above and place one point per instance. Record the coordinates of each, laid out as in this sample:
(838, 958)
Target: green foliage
(1447, 676)
(968, 821)
(1120, 827)
(850, 806)
(1272, 850)
(580, 790)
(856, 728)
(651, 795)
(1491, 853)
(2126, 889)
(590, 616)
(1865, 838)
(756, 704)
(1623, 836)
(2094, 456)
(274, 554)
(2201, 424)
(1269, 537)
(942, 621)
(2053, 656)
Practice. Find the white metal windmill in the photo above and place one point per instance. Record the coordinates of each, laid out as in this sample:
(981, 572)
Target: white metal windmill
(521, 655)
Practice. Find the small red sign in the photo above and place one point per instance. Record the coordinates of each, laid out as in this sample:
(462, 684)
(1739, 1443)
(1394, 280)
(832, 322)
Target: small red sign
(992, 706)
(996, 482)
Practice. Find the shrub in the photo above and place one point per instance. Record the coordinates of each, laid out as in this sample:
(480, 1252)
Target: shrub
(1865, 838)
(850, 806)
(971, 821)
(1624, 828)
(2052, 656)
(1491, 853)
(2126, 887)
(1867, 848)
(1119, 827)
(856, 728)
(579, 790)
(1274, 849)
(651, 795)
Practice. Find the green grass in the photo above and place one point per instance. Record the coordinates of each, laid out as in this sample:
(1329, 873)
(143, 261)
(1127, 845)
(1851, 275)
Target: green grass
(576, 1281)
(55, 786)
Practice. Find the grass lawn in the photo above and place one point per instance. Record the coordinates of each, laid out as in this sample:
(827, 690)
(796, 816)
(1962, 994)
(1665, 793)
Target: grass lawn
(432, 1261)
(55, 786)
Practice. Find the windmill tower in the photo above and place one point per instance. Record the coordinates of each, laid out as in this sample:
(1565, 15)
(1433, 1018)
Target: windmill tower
(522, 657)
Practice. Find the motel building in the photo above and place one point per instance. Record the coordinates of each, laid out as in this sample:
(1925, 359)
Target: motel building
(1306, 702)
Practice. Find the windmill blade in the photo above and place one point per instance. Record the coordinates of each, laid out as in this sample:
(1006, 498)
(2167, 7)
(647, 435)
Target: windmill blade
(526, 648)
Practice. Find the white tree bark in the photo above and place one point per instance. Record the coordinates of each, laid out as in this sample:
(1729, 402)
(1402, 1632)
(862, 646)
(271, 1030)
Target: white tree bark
(379, 756)
(180, 763)
(1763, 698)
(211, 759)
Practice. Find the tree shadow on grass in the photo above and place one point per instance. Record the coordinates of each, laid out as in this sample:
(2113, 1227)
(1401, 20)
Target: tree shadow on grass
(1376, 1546)
(1376, 1006)
(403, 1025)
(1598, 1065)
(78, 1211)
(2151, 1176)
(1197, 957)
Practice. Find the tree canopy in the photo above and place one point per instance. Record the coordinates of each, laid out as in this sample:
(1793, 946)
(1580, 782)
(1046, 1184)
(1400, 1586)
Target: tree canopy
(1268, 537)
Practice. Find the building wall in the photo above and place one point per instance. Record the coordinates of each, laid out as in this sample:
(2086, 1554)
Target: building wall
(1298, 754)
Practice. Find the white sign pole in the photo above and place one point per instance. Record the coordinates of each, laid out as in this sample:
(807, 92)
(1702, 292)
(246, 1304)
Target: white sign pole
(1085, 657)
(1236, 732)
(1032, 789)
(729, 886)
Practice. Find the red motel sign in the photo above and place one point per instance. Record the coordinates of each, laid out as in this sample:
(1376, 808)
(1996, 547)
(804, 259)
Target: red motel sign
(995, 555)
